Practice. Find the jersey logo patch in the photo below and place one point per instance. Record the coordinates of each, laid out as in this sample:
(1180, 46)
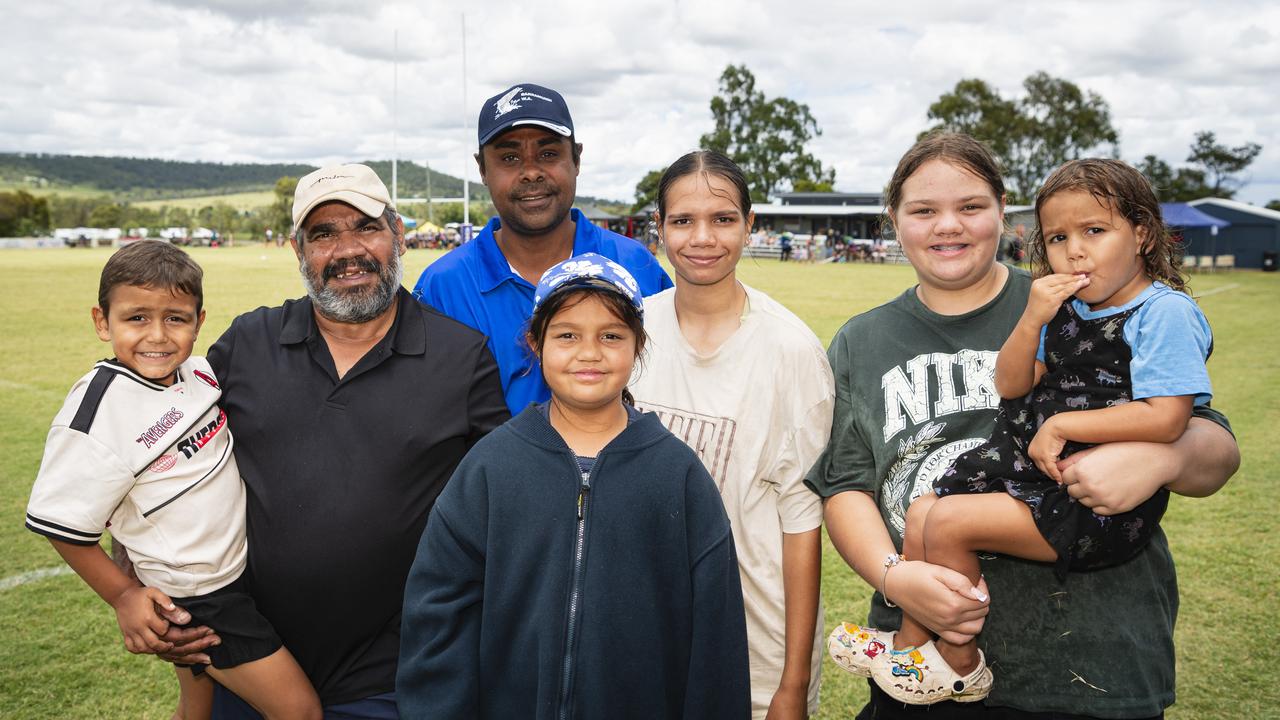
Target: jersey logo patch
(163, 463)
(206, 378)
(197, 440)
(507, 103)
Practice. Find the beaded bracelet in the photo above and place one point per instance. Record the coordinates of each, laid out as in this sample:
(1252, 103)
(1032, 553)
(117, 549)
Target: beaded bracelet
(891, 560)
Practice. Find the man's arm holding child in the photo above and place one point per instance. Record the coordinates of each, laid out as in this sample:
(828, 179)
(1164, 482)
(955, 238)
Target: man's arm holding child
(187, 644)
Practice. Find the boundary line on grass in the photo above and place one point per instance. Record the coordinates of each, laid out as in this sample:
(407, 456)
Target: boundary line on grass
(14, 581)
(1217, 290)
(28, 387)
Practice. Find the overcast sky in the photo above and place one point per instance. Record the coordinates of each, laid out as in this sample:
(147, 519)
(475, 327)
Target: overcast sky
(312, 80)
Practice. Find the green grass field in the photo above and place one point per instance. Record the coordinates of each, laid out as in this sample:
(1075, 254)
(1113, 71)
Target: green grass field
(240, 201)
(62, 656)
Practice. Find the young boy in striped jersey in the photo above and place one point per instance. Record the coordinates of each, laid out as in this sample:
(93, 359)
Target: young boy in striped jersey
(141, 446)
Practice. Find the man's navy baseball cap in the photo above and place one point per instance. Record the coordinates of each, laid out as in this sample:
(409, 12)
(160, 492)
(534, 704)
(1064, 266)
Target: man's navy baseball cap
(523, 104)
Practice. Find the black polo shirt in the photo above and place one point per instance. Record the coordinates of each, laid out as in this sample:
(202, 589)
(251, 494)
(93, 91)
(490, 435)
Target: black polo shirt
(342, 473)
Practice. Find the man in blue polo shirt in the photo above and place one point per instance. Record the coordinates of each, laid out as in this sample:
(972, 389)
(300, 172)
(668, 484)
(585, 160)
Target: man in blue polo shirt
(529, 161)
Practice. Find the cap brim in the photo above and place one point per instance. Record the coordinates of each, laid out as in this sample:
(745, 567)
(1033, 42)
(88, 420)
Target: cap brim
(556, 128)
(594, 283)
(363, 203)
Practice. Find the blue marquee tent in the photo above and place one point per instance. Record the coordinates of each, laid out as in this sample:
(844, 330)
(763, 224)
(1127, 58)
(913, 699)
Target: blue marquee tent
(1182, 215)
(1198, 229)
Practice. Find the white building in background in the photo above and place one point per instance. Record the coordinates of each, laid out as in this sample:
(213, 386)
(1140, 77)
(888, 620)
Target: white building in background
(854, 214)
(93, 237)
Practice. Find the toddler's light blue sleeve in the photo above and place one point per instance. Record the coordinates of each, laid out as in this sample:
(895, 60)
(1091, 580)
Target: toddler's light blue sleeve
(1044, 330)
(1171, 340)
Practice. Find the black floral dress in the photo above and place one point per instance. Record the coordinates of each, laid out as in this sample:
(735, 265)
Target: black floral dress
(1088, 369)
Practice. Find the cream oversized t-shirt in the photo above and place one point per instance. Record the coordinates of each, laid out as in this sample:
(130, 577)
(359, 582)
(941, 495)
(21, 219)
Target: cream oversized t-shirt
(758, 413)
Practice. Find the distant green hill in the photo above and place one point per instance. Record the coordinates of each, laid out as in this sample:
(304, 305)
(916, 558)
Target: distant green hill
(143, 179)
(151, 179)
(125, 175)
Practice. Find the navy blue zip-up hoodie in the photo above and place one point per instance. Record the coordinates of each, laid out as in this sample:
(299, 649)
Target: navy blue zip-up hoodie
(516, 608)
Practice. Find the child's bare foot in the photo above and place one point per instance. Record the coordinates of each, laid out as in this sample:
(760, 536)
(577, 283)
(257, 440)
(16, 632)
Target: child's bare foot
(963, 659)
(901, 642)
(911, 635)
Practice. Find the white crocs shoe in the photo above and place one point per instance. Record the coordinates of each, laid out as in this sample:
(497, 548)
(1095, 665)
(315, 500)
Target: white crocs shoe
(919, 676)
(854, 647)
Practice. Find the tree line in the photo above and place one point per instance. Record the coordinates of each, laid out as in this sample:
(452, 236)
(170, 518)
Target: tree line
(129, 178)
(1050, 122)
(1055, 121)
(24, 213)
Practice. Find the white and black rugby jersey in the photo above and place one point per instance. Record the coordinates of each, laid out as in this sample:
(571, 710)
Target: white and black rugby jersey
(153, 464)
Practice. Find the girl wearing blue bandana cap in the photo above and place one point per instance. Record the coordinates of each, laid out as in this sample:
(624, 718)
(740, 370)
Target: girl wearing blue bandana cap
(579, 563)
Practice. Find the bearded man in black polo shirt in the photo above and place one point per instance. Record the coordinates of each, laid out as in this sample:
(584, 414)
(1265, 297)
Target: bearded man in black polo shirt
(351, 407)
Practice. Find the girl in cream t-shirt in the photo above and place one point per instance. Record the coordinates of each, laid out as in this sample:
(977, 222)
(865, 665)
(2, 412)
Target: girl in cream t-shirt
(748, 386)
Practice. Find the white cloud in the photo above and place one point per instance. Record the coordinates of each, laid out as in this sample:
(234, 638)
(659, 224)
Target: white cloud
(311, 80)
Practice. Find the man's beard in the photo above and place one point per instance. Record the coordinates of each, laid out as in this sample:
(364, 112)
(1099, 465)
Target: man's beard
(357, 305)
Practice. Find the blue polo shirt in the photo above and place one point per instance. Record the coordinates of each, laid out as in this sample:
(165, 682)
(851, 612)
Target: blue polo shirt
(474, 284)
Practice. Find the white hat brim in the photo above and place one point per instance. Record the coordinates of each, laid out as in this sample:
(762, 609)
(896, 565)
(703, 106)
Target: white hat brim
(359, 201)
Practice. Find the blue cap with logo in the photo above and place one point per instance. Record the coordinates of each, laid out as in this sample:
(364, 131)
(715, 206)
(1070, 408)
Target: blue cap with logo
(588, 270)
(523, 104)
